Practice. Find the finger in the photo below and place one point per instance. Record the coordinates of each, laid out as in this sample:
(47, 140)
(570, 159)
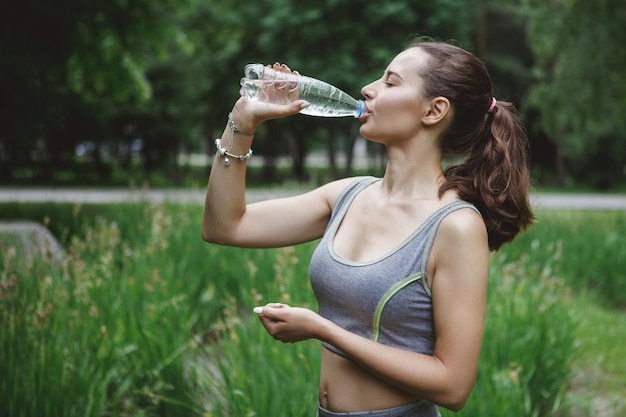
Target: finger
(267, 313)
(277, 305)
(274, 312)
(290, 109)
(282, 68)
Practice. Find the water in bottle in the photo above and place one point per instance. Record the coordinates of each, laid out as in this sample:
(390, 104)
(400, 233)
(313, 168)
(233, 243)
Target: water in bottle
(265, 84)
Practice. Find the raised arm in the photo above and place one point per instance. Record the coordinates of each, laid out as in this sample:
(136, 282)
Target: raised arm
(228, 220)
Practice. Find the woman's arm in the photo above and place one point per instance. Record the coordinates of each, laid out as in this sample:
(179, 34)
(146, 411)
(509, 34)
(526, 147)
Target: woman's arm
(228, 220)
(459, 299)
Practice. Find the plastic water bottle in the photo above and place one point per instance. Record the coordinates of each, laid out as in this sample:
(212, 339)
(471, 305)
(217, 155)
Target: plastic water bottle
(265, 84)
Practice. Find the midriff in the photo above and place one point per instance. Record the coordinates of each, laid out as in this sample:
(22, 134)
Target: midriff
(347, 387)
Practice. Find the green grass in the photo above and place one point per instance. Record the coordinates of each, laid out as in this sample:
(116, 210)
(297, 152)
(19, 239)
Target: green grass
(598, 385)
(145, 319)
(593, 256)
(605, 351)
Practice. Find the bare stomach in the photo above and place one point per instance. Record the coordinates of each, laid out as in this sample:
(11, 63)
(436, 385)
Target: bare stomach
(347, 387)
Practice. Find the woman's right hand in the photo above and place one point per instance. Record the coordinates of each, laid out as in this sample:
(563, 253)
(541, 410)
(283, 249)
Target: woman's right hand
(249, 114)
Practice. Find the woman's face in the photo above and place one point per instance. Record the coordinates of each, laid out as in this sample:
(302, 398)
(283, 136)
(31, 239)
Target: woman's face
(395, 101)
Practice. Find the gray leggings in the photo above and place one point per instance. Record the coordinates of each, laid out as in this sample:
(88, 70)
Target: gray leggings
(417, 409)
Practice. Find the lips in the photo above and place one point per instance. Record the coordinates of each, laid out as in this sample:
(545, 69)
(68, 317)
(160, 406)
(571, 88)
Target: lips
(365, 115)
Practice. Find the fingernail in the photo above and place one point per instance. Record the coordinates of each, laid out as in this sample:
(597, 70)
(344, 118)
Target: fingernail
(305, 105)
(258, 310)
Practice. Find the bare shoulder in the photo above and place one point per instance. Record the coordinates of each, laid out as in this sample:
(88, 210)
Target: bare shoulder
(460, 257)
(463, 224)
(332, 190)
(462, 234)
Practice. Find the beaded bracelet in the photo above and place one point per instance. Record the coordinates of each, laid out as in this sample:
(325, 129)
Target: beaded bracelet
(222, 152)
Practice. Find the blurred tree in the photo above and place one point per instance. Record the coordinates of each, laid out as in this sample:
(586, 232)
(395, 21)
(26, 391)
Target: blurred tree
(506, 51)
(165, 73)
(347, 43)
(67, 67)
(580, 91)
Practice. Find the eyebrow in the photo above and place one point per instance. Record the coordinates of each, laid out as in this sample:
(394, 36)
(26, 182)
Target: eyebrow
(393, 73)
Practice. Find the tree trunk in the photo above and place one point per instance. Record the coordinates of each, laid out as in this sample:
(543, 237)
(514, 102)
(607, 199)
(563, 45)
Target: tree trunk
(332, 153)
(298, 152)
(481, 33)
(352, 137)
(559, 157)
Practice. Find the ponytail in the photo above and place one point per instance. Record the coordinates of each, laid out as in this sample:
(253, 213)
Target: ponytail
(495, 175)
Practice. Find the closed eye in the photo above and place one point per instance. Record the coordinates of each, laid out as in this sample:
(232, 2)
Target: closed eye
(391, 75)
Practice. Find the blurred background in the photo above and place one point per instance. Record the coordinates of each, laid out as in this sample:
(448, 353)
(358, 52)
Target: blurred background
(122, 92)
(129, 313)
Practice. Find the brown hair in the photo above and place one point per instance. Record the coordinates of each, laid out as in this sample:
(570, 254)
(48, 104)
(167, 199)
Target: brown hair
(494, 176)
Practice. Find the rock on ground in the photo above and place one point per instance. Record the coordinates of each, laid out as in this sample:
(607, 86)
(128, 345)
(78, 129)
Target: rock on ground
(33, 239)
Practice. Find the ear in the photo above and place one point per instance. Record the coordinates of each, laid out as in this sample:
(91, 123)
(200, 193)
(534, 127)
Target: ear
(436, 111)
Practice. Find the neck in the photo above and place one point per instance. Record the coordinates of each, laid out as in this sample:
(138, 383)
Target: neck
(413, 171)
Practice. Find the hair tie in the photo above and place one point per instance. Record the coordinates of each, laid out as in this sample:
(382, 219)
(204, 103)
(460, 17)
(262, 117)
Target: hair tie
(493, 105)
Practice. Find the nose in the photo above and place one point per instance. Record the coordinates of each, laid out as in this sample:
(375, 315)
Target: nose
(368, 90)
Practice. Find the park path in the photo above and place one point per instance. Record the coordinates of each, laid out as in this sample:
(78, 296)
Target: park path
(577, 201)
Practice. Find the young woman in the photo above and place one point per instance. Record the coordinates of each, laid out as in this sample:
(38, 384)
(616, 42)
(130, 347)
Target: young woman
(400, 273)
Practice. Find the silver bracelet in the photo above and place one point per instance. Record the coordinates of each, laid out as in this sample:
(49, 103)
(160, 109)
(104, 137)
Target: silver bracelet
(235, 128)
(222, 152)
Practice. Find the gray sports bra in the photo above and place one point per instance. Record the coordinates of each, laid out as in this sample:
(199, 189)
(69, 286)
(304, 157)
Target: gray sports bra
(388, 299)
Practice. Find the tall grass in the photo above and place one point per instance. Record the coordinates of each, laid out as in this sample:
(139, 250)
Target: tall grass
(255, 375)
(106, 333)
(529, 337)
(145, 319)
(593, 250)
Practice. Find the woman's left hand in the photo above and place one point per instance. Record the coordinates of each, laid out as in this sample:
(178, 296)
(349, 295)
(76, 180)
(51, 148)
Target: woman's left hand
(290, 324)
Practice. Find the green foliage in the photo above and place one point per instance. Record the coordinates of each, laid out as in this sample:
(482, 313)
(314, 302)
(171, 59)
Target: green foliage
(249, 363)
(599, 374)
(108, 330)
(580, 90)
(526, 357)
(167, 72)
(144, 318)
(594, 260)
(74, 72)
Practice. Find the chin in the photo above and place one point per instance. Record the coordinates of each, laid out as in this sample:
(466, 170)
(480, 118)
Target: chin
(363, 131)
